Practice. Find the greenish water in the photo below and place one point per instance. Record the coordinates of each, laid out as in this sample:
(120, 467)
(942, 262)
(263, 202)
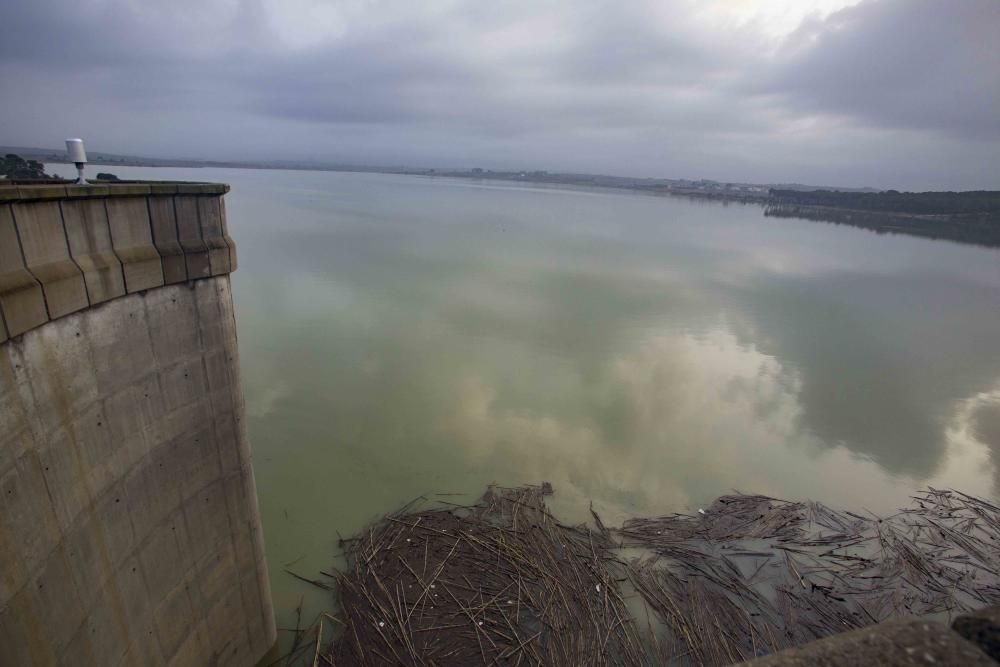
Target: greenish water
(402, 335)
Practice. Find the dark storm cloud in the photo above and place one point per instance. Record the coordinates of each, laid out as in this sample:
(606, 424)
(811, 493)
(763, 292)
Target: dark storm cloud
(884, 92)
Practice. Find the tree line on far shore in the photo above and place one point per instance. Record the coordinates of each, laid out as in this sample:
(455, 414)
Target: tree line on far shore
(973, 202)
(15, 168)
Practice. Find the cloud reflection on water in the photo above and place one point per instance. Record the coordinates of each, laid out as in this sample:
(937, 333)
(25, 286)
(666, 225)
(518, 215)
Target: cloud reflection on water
(705, 415)
(646, 353)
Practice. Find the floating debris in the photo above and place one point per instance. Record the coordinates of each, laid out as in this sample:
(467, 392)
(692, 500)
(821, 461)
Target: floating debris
(513, 588)
(748, 576)
(755, 574)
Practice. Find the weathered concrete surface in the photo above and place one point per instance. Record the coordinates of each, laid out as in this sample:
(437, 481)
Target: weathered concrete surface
(233, 263)
(189, 235)
(164, 223)
(132, 235)
(86, 223)
(899, 643)
(210, 215)
(129, 529)
(22, 303)
(982, 629)
(129, 523)
(66, 247)
(46, 255)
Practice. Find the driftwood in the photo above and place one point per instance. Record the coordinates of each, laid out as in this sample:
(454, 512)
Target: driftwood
(754, 574)
(498, 582)
(502, 582)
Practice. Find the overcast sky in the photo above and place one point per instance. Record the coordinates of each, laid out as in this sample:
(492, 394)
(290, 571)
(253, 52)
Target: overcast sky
(889, 93)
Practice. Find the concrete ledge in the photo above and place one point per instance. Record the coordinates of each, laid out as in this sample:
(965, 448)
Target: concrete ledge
(35, 192)
(210, 215)
(202, 188)
(67, 247)
(46, 256)
(86, 223)
(163, 221)
(982, 629)
(167, 188)
(22, 303)
(132, 236)
(127, 189)
(902, 642)
(87, 191)
(225, 234)
(48, 191)
(190, 237)
(9, 193)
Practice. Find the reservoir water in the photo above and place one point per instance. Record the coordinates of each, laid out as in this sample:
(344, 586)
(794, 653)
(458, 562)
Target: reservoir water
(407, 335)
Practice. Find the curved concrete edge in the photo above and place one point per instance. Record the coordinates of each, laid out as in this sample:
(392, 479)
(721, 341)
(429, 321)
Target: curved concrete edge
(30, 192)
(896, 643)
(210, 218)
(46, 256)
(89, 236)
(129, 528)
(132, 237)
(66, 248)
(189, 235)
(163, 221)
(22, 305)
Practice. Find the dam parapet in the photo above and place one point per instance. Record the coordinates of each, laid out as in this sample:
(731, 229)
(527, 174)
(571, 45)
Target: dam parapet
(129, 529)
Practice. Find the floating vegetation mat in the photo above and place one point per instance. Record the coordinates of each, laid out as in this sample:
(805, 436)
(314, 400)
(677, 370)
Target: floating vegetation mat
(499, 582)
(503, 582)
(753, 575)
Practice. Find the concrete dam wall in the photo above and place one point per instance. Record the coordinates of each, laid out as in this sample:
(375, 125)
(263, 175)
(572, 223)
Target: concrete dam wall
(129, 529)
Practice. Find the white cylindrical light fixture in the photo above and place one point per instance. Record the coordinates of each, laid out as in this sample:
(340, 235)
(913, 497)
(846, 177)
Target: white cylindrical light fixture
(78, 156)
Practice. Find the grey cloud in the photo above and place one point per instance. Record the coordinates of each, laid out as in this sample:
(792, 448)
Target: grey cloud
(614, 72)
(899, 63)
(888, 93)
(615, 45)
(113, 33)
(362, 81)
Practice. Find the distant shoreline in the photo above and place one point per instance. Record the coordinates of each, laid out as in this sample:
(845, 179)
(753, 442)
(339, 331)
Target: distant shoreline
(981, 228)
(938, 228)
